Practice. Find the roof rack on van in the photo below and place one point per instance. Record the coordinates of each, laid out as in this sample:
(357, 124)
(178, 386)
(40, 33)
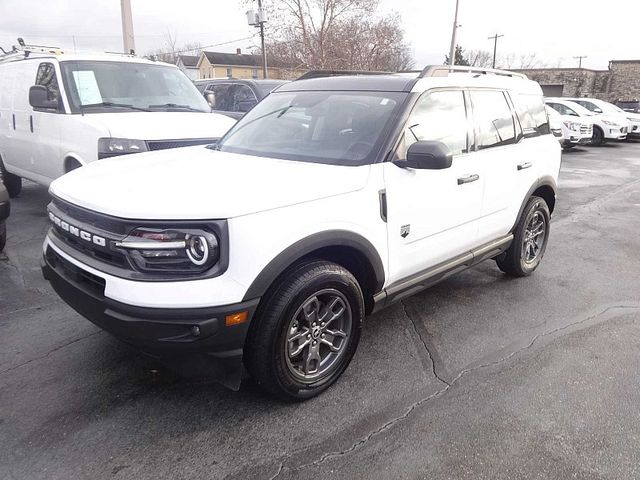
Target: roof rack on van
(445, 70)
(24, 50)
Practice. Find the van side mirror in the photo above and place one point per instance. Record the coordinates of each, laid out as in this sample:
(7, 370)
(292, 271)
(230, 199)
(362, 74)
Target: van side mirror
(597, 110)
(211, 98)
(39, 98)
(427, 155)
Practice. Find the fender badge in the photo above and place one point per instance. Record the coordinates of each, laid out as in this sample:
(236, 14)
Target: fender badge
(404, 231)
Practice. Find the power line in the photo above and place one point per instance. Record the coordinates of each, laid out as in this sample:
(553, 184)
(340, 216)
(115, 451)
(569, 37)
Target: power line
(213, 45)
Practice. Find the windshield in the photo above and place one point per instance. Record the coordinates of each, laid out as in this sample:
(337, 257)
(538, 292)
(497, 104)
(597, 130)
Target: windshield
(98, 86)
(610, 108)
(339, 128)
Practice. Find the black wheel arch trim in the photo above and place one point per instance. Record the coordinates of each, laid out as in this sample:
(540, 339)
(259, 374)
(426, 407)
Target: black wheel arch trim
(306, 246)
(546, 181)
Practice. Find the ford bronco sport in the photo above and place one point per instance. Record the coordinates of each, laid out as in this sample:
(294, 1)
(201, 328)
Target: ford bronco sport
(331, 199)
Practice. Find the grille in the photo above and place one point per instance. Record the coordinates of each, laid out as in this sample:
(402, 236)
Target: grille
(623, 129)
(166, 144)
(585, 130)
(87, 281)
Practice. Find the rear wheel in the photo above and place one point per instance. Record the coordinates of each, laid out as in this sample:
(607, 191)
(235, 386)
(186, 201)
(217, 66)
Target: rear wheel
(529, 241)
(11, 181)
(307, 331)
(3, 235)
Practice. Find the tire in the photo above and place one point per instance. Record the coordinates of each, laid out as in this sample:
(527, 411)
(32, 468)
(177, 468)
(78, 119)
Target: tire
(11, 181)
(3, 235)
(598, 137)
(280, 352)
(525, 253)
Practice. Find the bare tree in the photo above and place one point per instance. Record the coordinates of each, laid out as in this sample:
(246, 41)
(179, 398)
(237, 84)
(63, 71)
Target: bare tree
(480, 58)
(170, 50)
(335, 34)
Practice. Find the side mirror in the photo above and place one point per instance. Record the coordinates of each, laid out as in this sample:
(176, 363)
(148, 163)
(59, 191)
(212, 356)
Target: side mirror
(39, 98)
(597, 110)
(427, 155)
(211, 98)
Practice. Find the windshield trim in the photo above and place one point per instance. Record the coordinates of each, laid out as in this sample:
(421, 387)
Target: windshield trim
(378, 153)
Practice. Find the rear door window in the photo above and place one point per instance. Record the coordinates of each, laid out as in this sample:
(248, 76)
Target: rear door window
(531, 113)
(492, 118)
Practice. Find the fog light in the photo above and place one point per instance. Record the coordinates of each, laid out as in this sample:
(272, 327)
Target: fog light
(236, 318)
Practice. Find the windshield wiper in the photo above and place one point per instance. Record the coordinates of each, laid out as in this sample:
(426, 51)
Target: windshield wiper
(175, 105)
(117, 105)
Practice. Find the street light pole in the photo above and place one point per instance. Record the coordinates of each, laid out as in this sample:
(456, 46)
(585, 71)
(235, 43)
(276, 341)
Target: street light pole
(495, 47)
(127, 26)
(452, 50)
(579, 58)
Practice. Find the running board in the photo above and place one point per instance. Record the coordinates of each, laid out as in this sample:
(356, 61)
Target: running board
(429, 277)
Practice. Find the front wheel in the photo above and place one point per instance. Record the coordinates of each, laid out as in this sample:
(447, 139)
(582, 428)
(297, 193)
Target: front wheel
(530, 239)
(11, 181)
(306, 332)
(598, 137)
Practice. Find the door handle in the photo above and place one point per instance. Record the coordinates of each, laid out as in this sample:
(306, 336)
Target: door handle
(14, 120)
(524, 166)
(468, 179)
(31, 122)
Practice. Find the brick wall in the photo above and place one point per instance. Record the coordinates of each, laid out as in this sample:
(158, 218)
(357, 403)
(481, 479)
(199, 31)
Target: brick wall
(621, 81)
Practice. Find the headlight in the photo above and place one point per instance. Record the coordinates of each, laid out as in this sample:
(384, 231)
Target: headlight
(610, 123)
(633, 120)
(171, 251)
(111, 147)
(572, 126)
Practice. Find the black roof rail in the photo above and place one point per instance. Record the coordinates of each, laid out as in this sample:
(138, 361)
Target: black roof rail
(338, 73)
(445, 70)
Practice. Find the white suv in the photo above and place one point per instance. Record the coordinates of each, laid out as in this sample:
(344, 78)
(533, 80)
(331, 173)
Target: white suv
(576, 129)
(609, 121)
(331, 199)
(60, 111)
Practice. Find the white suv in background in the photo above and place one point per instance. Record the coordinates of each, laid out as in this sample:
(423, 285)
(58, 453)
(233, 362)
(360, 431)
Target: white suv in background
(61, 111)
(575, 130)
(605, 127)
(331, 199)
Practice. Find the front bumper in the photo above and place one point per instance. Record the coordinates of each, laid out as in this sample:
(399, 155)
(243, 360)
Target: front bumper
(186, 338)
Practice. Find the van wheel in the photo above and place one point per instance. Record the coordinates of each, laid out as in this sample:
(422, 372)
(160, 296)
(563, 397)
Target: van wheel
(598, 136)
(307, 331)
(3, 235)
(529, 240)
(11, 181)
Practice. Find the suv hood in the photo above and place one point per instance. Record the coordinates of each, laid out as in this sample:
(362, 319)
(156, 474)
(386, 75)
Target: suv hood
(198, 183)
(163, 125)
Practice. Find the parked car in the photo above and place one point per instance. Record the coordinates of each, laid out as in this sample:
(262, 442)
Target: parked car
(555, 124)
(631, 106)
(575, 130)
(5, 209)
(61, 111)
(235, 97)
(605, 127)
(331, 199)
(600, 107)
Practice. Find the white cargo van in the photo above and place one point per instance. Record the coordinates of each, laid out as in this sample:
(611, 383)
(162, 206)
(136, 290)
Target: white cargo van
(60, 111)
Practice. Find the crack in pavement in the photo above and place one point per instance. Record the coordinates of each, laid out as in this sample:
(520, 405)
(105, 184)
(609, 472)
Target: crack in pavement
(632, 307)
(60, 347)
(424, 344)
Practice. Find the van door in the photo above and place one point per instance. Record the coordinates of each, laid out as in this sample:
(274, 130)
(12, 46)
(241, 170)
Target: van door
(432, 214)
(7, 76)
(45, 126)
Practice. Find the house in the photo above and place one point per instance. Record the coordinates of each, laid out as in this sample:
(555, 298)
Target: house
(189, 65)
(621, 81)
(242, 65)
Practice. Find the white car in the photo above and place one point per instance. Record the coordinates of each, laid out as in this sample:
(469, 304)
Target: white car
(329, 200)
(605, 127)
(575, 130)
(613, 113)
(60, 111)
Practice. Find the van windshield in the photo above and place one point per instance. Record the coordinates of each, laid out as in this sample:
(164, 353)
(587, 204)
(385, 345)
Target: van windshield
(338, 128)
(100, 86)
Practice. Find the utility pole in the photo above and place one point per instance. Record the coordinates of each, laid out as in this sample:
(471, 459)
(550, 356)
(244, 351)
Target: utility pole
(257, 19)
(452, 50)
(127, 27)
(495, 47)
(579, 58)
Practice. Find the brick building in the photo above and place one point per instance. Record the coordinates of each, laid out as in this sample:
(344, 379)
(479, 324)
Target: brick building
(621, 81)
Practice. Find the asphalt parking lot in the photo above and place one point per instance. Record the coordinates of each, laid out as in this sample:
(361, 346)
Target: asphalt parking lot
(480, 377)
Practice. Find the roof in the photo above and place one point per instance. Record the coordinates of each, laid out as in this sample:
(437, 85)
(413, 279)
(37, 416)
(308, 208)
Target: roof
(220, 58)
(189, 60)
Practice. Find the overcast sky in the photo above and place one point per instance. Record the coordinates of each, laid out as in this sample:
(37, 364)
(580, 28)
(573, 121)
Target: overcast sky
(556, 30)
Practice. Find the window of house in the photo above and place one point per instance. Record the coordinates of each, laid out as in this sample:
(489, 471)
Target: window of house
(441, 116)
(493, 119)
(254, 73)
(229, 72)
(46, 76)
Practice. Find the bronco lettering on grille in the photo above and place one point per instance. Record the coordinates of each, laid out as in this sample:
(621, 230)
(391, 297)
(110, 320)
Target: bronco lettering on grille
(77, 231)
